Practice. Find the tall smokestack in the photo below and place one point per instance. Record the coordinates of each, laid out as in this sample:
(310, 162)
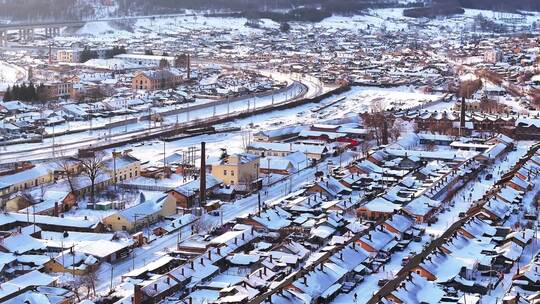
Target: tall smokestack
(188, 67)
(462, 116)
(385, 132)
(202, 175)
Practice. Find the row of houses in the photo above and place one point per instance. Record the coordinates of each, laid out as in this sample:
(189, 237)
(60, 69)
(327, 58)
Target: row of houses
(491, 233)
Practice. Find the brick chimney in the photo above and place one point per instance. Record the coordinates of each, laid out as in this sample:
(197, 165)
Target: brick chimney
(202, 175)
(137, 294)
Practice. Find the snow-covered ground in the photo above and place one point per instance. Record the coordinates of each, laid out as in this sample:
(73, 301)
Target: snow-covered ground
(373, 21)
(10, 74)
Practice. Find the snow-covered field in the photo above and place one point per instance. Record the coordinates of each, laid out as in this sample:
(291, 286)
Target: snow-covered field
(9, 74)
(388, 98)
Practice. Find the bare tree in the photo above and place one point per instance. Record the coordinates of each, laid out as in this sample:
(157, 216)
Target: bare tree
(89, 280)
(375, 120)
(75, 286)
(69, 168)
(469, 87)
(93, 166)
(430, 146)
(364, 147)
(396, 129)
(203, 224)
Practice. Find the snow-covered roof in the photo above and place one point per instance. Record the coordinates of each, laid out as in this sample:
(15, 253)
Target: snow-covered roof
(21, 243)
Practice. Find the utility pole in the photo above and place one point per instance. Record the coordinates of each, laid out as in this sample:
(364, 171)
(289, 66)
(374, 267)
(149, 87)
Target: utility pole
(112, 272)
(73, 259)
(258, 201)
(178, 237)
(149, 118)
(268, 173)
(53, 143)
(34, 216)
(228, 105)
(115, 155)
(164, 161)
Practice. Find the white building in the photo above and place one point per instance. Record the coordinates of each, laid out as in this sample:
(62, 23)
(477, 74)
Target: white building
(144, 60)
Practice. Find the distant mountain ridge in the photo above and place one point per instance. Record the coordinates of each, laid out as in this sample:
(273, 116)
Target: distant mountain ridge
(47, 10)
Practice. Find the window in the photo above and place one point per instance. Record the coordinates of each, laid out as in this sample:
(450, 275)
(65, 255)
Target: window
(232, 182)
(224, 172)
(232, 173)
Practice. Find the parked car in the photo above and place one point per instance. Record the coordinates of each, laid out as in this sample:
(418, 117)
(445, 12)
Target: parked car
(405, 260)
(348, 286)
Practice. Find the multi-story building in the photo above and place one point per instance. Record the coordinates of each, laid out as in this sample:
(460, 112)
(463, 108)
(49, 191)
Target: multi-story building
(125, 166)
(67, 56)
(156, 80)
(58, 89)
(238, 170)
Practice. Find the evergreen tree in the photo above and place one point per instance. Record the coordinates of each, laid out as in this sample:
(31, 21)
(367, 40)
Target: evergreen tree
(88, 54)
(116, 50)
(7, 95)
(15, 92)
(40, 92)
(32, 92)
(284, 27)
(23, 94)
